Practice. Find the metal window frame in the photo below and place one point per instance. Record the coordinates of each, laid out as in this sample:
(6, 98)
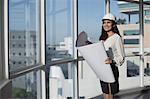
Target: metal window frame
(41, 39)
(42, 80)
(2, 65)
(5, 48)
(23, 71)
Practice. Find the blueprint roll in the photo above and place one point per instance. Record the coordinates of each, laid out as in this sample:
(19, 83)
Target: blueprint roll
(95, 55)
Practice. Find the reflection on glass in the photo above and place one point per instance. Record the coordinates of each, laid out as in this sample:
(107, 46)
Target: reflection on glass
(126, 12)
(59, 45)
(23, 33)
(61, 81)
(25, 87)
(133, 67)
(59, 35)
(146, 37)
(128, 24)
(147, 68)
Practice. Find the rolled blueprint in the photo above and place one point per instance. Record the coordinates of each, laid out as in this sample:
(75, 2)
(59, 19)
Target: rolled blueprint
(95, 55)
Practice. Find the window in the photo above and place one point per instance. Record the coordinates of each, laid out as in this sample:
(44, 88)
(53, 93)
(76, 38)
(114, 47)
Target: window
(19, 62)
(131, 41)
(13, 37)
(13, 53)
(19, 37)
(13, 45)
(25, 18)
(131, 32)
(147, 12)
(24, 21)
(147, 21)
(90, 13)
(19, 45)
(59, 29)
(132, 68)
(19, 54)
(14, 62)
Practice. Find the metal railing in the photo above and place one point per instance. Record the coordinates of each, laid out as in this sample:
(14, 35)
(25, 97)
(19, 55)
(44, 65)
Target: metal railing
(24, 70)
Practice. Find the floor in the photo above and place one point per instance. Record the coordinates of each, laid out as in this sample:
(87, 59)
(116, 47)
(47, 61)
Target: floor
(136, 93)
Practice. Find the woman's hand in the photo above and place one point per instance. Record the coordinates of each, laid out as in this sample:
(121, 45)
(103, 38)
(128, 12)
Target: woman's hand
(108, 61)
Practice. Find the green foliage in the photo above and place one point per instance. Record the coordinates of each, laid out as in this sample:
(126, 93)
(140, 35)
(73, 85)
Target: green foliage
(19, 93)
(121, 21)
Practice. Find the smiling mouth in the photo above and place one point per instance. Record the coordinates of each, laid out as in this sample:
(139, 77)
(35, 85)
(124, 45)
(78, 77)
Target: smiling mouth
(106, 28)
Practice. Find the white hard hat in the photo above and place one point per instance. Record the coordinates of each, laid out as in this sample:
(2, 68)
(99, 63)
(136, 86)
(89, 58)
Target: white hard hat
(109, 16)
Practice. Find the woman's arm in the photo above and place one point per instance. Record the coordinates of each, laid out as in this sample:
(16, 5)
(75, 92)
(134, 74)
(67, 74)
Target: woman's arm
(119, 54)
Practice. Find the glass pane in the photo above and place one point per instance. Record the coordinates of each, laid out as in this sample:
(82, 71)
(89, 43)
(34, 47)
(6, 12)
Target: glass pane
(128, 24)
(1, 25)
(26, 86)
(146, 39)
(59, 31)
(61, 81)
(59, 46)
(126, 12)
(147, 65)
(90, 13)
(133, 64)
(23, 33)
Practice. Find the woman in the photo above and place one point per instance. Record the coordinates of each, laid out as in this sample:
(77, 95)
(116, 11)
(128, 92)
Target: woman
(115, 51)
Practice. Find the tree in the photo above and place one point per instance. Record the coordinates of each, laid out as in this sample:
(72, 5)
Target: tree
(121, 21)
(22, 93)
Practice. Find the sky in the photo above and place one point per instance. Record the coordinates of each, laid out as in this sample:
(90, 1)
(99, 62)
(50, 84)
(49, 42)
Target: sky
(90, 14)
(59, 17)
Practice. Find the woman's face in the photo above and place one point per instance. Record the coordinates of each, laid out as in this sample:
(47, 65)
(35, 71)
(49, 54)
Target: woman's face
(107, 25)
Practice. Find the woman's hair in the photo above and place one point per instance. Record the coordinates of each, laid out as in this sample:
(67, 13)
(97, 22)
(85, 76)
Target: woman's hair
(104, 35)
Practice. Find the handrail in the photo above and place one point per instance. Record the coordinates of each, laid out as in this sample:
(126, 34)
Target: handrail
(3, 83)
(24, 70)
(27, 69)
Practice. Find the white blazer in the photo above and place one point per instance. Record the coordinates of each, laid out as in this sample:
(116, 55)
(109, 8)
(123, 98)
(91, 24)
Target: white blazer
(114, 48)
